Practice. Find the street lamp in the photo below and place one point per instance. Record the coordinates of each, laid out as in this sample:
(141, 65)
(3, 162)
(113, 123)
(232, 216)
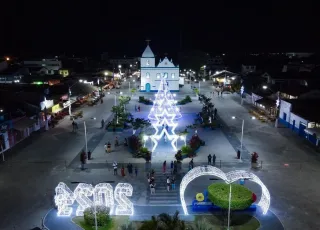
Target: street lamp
(69, 93)
(264, 87)
(119, 66)
(241, 93)
(204, 71)
(106, 73)
(130, 65)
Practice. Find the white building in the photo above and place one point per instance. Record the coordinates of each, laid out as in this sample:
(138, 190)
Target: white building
(151, 74)
(44, 66)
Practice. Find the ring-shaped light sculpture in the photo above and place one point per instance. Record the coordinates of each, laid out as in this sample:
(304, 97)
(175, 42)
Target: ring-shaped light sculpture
(229, 177)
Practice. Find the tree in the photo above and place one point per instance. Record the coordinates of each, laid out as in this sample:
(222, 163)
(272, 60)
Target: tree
(164, 222)
(139, 123)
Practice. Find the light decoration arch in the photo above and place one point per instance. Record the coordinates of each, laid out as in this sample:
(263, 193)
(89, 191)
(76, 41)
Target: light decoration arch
(229, 177)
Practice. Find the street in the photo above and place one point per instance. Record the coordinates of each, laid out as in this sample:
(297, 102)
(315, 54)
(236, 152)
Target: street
(32, 171)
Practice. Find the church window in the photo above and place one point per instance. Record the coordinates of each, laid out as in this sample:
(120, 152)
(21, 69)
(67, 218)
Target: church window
(147, 62)
(165, 75)
(148, 75)
(172, 75)
(158, 75)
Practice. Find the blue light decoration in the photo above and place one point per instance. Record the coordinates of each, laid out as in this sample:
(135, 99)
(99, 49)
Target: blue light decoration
(163, 114)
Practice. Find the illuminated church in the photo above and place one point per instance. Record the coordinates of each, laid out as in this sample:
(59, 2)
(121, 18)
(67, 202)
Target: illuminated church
(151, 74)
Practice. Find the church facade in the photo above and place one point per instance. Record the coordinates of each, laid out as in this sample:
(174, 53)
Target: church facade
(151, 74)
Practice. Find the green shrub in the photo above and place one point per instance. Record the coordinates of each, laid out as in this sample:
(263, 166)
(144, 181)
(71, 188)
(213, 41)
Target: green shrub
(241, 197)
(188, 98)
(186, 149)
(103, 217)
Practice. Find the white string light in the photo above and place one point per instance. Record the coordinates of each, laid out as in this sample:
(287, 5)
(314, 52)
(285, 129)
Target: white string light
(230, 177)
(122, 191)
(63, 199)
(103, 195)
(81, 193)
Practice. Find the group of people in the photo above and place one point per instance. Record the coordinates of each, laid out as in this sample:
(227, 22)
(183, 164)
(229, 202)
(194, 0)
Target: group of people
(129, 168)
(212, 159)
(84, 157)
(107, 145)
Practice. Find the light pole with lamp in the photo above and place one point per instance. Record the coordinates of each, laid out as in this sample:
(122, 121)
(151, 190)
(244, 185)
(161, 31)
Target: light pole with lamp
(204, 71)
(69, 93)
(242, 129)
(278, 101)
(241, 93)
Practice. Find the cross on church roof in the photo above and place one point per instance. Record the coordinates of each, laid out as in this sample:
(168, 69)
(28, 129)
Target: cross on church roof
(165, 54)
(148, 41)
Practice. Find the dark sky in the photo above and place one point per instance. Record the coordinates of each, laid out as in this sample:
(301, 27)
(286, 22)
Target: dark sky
(121, 27)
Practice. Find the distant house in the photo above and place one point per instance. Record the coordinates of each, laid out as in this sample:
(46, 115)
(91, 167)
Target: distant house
(248, 68)
(302, 116)
(43, 66)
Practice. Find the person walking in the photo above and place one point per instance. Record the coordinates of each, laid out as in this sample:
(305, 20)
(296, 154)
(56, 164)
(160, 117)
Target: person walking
(115, 168)
(238, 154)
(173, 185)
(164, 167)
(171, 166)
(116, 141)
(168, 184)
(139, 108)
(109, 147)
(128, 168)
(191, 163)
(175, 167)
(89, 155)
(122, 171)
(214, 159)
(83, 158)
(209, 159)
(152, 188)
(102, 123)
(136, 170)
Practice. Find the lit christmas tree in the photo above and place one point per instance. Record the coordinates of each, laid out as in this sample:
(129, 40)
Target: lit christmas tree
(163, 113)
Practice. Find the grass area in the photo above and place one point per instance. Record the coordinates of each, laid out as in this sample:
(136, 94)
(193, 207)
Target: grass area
(238, 222)
(115, 223)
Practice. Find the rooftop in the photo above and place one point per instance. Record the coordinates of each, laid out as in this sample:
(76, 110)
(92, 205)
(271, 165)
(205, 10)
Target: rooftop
(147, 53)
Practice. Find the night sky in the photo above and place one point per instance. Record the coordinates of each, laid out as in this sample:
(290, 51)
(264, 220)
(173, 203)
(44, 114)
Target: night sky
(120, 27)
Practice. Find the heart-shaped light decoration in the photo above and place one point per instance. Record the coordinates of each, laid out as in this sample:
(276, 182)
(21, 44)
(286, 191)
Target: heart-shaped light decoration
(229, 177)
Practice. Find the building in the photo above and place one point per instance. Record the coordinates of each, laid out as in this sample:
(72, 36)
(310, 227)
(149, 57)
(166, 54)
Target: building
(248, 68)
(43, 66)
(151, 74)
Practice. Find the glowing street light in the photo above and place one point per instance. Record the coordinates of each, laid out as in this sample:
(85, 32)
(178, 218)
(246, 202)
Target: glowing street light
(119, 66)
(106, 73)
(264, 87)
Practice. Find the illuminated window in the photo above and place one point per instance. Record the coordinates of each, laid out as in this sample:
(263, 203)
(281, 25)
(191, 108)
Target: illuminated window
(148, 75)
(165, 75)
(158, 75)
(172, 75)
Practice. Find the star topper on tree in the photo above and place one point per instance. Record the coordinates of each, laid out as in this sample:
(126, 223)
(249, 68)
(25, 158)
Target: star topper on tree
(163, 113)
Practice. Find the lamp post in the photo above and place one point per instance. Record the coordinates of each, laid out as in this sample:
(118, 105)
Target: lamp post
(241, 93)
(242, 130)
(69, 93)
(278, 101)
(85, 136)
(204, 71)
(229, 209)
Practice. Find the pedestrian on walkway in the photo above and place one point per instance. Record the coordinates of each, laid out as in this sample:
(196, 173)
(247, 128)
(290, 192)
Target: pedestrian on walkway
(136, 170)
(171, 166)
(109, 147)
(168, 184)
(214, 159)
(139, 108)
(102, 123)
(209, 159)
(115, 168)
(175, 167)
(173, 185)
(238, 154)
(83, 158)
(152, 188)
(122, 171)
(164, 167)
(116, 142)
(135, 108)
(89, 155)
(191, 163)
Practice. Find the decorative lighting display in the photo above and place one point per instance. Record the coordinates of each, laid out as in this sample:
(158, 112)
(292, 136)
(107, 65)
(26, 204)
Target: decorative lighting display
(163, 113)
(63, 199)
(122, 191)
(230, 177)
(102, 195)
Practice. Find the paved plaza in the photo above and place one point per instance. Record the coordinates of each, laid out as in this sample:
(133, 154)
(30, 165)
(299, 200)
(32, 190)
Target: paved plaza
(32, 170)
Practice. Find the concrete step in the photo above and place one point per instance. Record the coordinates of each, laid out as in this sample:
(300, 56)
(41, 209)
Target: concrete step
(164, 202)
(165, 194)
(155, 197)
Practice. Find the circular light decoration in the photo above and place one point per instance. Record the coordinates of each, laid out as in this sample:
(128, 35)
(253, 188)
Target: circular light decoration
(200, 197)
(229, 177)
